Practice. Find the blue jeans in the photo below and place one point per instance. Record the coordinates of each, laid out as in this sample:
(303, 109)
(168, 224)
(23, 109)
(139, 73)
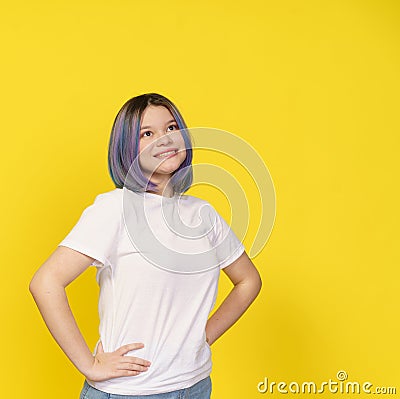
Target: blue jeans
(200, 390)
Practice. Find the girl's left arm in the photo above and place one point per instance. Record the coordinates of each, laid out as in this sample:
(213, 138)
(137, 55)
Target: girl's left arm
(247, 285)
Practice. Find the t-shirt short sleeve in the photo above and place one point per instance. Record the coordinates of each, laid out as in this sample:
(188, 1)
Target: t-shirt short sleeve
(227, 245)
(96, 232)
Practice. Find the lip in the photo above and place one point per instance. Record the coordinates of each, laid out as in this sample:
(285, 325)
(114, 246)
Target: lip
(170, 149)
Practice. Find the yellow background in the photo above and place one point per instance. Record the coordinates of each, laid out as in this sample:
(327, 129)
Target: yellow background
(313, 86)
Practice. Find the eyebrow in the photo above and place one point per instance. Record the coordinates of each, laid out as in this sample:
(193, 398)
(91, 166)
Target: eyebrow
(148, 127)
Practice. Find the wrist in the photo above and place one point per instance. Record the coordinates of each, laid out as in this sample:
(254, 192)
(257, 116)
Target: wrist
(87, 368)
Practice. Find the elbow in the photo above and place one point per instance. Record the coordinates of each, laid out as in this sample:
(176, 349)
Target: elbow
(253, 284)
(41, 282)
(34, 286)
(257, 284)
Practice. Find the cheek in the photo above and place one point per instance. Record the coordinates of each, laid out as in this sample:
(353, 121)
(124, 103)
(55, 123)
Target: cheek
(144, 156)
(144, 148)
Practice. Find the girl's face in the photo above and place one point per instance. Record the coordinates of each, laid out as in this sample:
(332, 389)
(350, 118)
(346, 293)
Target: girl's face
(159, 133)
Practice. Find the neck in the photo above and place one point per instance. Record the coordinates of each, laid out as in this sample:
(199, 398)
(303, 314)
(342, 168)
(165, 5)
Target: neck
(164, 190)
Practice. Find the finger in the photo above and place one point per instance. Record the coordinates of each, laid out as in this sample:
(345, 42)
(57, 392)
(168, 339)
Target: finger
(135, 360)
(100, 348)
(130, 347)
(131, 366)
(124, 373)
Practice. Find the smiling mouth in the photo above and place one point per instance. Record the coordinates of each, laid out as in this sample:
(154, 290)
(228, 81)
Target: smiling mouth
(168, 154)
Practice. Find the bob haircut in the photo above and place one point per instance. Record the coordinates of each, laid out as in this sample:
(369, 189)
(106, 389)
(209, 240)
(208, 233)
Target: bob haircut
(123, 149)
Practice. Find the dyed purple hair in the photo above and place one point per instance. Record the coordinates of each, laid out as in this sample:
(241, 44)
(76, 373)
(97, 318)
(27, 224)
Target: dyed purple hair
(123, 146)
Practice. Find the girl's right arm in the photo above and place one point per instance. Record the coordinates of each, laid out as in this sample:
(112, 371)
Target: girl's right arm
(48, 289)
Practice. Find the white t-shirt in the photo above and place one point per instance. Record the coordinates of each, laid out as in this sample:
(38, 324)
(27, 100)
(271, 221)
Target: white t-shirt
(165, 306)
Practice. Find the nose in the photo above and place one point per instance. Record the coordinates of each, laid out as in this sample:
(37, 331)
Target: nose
(164, 139)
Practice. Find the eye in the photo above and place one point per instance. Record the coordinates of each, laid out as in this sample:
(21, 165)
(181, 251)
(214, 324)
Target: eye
(146, 133)
(175, 126)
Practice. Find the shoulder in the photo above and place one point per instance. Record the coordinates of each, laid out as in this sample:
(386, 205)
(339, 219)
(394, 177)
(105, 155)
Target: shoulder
(109, 201)
(201, 207)
(196, 201)
(110, 196)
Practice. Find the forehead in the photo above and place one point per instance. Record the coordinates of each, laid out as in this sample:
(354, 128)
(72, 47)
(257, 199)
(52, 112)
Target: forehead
(156, 114)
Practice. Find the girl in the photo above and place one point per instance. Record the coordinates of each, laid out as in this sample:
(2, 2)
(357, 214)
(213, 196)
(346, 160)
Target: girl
(155, 335)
